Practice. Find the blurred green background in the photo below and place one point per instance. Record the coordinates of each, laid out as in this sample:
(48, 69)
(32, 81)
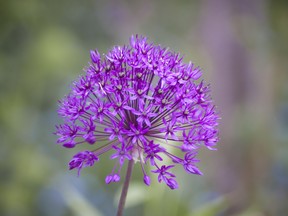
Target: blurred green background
(242, 47)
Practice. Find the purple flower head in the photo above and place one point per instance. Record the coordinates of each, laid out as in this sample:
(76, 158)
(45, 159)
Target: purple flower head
(139, 102)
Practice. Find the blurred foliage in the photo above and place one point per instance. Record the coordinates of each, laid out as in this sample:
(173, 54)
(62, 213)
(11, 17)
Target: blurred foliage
(44, 45)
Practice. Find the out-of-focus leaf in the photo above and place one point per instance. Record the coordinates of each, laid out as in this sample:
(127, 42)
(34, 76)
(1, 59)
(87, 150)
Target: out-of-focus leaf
(77, 202)
(211, 208)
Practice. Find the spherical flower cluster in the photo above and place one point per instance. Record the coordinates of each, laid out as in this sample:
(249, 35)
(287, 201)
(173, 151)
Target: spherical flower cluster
(139, 102)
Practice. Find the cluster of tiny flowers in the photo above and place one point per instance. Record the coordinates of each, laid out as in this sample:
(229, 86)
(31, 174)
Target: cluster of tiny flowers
(139, 102)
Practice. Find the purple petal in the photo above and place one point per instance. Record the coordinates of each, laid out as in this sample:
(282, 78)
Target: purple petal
(172, 183)
(108, 179)
(146, 180)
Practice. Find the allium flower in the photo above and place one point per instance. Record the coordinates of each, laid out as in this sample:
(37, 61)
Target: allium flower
(139, 102)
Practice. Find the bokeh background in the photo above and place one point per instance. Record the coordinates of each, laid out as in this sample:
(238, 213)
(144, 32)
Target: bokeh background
(242, 47)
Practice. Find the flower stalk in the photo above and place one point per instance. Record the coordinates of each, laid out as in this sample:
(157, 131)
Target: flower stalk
(124, 192)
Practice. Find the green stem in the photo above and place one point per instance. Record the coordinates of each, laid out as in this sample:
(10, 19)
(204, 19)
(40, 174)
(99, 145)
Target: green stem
(125, 188)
